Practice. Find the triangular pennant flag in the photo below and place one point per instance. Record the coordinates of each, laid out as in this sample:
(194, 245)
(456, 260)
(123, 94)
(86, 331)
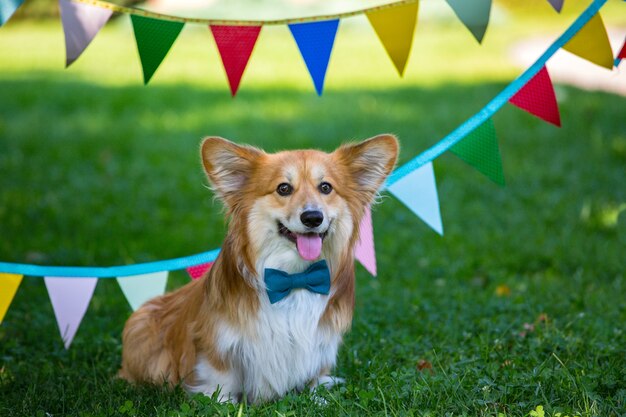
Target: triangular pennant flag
(480, 150)
(621, 55)
(418, 191)
(364, 250)
(196, 271)
(235, 45)
(70, 298)
(315, 41)
(592, 43)
(474, 15)
(7, 8)
(537, 97)
(8, 288)
(556, 4)
(140, 288)
(395, 27)
(154, 39)
(81, 23)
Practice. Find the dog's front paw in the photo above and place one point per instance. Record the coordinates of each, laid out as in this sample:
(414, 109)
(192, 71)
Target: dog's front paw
(327, 381)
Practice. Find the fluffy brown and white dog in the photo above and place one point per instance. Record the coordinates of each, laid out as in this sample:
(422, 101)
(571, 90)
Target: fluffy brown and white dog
(286, 211)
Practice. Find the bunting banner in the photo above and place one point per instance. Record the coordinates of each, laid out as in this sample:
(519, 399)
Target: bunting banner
(394, 23)
(364, 250)
(81, 23)
(315, 41)
(154, 39)
(140, 288)
(197, 271)
(8, 287)
(235, 45)
(592, 43)
(70, 298)
(7, 8)
(395, 29)
(480, 150)
(537, 98)
(474, 15)
(413, 183)
(418, 191)
(556, 4)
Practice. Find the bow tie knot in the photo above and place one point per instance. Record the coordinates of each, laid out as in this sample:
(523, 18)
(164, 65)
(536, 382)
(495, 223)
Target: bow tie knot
(316, 278)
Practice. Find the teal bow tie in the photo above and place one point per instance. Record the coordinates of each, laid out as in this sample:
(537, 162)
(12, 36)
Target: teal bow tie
(279, 284)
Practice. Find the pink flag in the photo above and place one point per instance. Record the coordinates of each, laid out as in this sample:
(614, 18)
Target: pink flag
(81, 23)
(70, 298)
(364, 250)
(197, 271)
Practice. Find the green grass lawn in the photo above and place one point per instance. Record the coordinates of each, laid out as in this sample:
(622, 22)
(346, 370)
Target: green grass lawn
(521, 304)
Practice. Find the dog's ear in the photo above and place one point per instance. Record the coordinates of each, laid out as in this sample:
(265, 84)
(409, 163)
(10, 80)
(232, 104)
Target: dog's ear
(228, 165)
(369, 163)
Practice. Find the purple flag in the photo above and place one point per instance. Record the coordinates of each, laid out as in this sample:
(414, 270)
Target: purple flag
(70, 298)
(81, 23)
(557, 4)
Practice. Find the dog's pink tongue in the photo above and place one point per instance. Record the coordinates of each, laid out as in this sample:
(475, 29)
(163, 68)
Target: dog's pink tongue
(309, 246)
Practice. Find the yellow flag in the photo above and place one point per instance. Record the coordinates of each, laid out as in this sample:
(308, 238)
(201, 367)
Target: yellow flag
(8, 287)
(395, 28)
(592, 43)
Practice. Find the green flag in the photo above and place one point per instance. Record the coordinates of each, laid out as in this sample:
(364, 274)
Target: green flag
(480, 149)
(154, 39)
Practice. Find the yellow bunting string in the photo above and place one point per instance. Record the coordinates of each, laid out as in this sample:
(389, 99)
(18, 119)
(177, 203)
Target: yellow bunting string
(227, 22)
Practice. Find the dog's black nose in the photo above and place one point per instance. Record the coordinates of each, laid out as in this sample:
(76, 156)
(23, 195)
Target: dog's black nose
(312, 218)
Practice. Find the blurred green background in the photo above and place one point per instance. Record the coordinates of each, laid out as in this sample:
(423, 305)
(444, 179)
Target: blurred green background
(97, 169)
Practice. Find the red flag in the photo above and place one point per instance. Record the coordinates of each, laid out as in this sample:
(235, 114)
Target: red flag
(197, 271)
(235, 44)
(537, 97)
(622, 53)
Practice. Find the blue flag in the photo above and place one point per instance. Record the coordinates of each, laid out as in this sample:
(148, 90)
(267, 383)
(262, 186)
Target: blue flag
(315, 41)
(7, 8)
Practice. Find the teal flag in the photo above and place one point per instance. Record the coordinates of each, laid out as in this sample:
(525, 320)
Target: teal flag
(140, 288)
(474, 15)
(7, 8)
(480, 150)
(418, 191)
(154, 39)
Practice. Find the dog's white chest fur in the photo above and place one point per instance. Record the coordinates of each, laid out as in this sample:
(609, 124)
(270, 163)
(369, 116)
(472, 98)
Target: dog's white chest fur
(287, 350)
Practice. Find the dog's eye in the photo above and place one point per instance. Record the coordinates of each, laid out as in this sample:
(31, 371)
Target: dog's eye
(325, 188)
(284, 189)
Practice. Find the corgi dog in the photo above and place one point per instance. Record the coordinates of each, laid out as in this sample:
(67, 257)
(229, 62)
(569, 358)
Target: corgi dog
(269, 316)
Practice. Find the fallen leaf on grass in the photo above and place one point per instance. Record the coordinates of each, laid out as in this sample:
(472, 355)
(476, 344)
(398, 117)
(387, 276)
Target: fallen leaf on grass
(503, 290)
(424, 365)
(542, 318)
